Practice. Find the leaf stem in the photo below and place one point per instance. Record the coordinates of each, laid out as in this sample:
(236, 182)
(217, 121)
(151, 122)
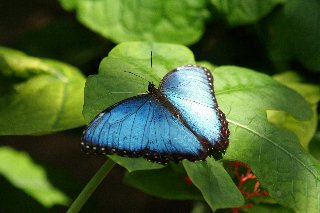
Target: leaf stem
(91, 186)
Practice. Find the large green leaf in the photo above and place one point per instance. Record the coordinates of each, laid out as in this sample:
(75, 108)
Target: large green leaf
(244, 12)
(294, 33)
(157, 20)
(19, 169)
(215, 184)
(38, 95)
(290, 175)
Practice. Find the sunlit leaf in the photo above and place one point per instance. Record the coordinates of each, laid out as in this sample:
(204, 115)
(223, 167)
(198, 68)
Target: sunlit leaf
(157, 20)
(19, 169)
(38, 95)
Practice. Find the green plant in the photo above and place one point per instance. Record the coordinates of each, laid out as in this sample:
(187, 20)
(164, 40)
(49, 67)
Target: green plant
(272, 119)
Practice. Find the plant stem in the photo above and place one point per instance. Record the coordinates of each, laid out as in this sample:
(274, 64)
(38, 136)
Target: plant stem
(91, 186)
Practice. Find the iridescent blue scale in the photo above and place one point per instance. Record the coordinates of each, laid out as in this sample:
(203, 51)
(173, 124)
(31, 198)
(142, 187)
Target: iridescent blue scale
(180, 120)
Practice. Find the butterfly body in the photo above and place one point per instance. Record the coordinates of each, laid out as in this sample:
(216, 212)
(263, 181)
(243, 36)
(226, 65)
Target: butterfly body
(180, 120)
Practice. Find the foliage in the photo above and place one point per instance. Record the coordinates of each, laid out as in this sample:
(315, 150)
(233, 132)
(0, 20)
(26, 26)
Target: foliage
(40, 95)
(272, 120)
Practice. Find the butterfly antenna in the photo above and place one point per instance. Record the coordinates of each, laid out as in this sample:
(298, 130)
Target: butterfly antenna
(136, 75)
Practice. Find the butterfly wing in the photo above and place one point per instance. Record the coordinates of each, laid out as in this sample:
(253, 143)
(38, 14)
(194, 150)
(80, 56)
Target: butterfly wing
(141, 126)
(190, 90)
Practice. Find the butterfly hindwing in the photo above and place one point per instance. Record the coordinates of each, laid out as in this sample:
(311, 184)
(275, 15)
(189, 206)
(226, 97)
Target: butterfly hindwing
(141, 126)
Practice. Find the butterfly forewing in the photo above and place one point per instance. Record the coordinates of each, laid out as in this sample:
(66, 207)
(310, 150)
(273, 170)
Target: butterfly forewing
(141, 126)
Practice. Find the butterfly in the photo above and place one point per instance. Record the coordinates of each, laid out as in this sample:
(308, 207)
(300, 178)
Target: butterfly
(179, 120)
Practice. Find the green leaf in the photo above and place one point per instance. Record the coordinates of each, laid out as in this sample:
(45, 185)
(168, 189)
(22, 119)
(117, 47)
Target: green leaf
(158, 20)
(294, 34)
(168, 183)
(244, 12)
(290, 175)
(19, 169)
(39, 95)
(214, 182)
(303, 129)
(126, 72)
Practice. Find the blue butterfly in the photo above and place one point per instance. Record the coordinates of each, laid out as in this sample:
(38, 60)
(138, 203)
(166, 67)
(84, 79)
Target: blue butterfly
(180, 120)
